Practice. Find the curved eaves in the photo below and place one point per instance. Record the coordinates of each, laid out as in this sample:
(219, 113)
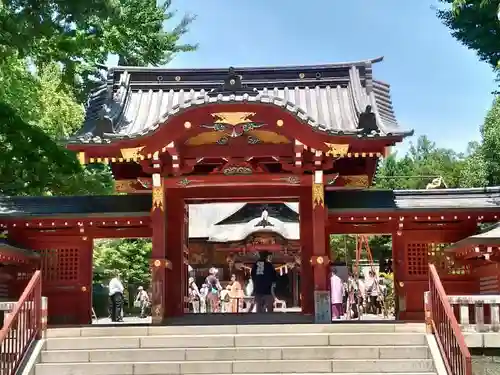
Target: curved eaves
(334, 110)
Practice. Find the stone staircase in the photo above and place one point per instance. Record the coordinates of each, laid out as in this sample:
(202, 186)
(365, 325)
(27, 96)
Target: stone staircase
(249, 349)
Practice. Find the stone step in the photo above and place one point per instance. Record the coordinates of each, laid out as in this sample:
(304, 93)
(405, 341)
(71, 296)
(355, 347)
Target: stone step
(236, 354)
(347, 327)
(238, 340)
(238, 367)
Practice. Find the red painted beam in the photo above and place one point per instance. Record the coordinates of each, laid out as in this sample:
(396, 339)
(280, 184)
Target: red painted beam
(242, 193)
(241, 151)
(239, 182)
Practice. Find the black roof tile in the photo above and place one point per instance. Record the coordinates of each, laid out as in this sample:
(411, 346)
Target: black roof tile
(75, 205)
(336, 201)
(330, 98)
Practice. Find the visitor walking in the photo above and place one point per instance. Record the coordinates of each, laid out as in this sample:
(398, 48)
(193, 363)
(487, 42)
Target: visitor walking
(116, 296)
(264, 281)
(194, 296)
(142, 301)
(336, 293)
(203, 298)
(236, 294)
(214, 288)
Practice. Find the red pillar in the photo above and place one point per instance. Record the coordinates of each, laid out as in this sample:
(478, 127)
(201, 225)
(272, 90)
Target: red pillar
(320, 257)
(159, 261)
(315, 252)
(306, 244)
(176, 231)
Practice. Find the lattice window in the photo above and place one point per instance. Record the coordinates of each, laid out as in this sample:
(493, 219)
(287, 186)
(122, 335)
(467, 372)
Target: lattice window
(416, 257)
(419, 255)
(60, 264)
(443, 262)
(24, 276)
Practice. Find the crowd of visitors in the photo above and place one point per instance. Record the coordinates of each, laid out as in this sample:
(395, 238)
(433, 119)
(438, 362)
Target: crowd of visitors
(355, 296)
(256, 295)
(350, 298)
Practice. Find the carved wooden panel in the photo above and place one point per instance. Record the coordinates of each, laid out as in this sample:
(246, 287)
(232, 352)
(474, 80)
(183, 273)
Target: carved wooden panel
(60, 265)
(416, 259)
(419, 255)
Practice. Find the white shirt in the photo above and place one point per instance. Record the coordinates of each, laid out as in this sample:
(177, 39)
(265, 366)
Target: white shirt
(115, 286)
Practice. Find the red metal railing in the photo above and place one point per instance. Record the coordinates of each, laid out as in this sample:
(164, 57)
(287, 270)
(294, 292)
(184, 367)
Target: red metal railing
(449, 337)
(21, 327)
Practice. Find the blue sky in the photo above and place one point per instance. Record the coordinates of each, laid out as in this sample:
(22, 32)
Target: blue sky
(438, 86)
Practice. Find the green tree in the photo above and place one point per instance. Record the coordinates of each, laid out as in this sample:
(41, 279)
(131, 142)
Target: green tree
(30, 161)
(343, 247)
(33, 163)
(475, 24)
(80, 35)
(65, 43)
(423, 162)
(130, 257)
(474, 172)
(490, 146)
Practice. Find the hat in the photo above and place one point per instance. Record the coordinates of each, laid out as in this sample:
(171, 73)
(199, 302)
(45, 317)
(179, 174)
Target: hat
(140, 288)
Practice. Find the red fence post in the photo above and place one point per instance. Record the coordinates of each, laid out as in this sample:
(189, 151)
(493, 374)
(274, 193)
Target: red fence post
(449, 337)
(428, 313)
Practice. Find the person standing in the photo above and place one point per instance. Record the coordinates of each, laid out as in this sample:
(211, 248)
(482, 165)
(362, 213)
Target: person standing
(142, 300)
(116, 296)
(264, 282)
(337, 294)
(214, 288)
(194, 296)
(236, 294)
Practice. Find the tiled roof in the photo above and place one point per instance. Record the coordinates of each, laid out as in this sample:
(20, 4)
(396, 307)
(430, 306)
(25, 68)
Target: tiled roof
(329, 98)
(17, 251)
(67, 206)
(490, 237)
(216, 220)
(413, 200)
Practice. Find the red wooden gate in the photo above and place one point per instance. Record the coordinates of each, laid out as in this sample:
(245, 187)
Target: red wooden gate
(413, 251)
(66, 265)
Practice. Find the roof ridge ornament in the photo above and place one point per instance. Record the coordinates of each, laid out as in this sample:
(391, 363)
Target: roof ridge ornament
(264, 222)
(233, 85)
(368, 122)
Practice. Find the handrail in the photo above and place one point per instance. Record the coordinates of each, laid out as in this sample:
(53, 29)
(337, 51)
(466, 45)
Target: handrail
(22, 327)
(449, 336)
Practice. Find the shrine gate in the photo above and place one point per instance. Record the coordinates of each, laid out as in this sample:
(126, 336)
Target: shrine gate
(307, 134)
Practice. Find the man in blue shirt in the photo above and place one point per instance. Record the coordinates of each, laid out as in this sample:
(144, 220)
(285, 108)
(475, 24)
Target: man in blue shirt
(264, 282)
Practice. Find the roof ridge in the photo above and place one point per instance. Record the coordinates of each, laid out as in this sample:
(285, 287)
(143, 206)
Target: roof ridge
(346, 64)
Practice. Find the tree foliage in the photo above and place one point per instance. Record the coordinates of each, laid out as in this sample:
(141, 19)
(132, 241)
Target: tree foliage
(36, 110)
(423, 163)
(81, 34)
(343, 247)
(490, 146)
(475, 24)
(50, 54)
(129, 257)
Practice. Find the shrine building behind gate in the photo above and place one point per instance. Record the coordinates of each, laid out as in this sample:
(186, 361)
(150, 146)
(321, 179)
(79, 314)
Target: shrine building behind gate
(177, 139)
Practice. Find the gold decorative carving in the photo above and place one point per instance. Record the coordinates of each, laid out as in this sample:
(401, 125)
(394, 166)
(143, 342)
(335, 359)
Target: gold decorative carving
(336, 149)
(158, 197)
(360, 181)
(132, 153)
(292, 180)
(237, 170)
(266, 136)
(81, 157)
(233, 118)
(123, 186)
(318, 195)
